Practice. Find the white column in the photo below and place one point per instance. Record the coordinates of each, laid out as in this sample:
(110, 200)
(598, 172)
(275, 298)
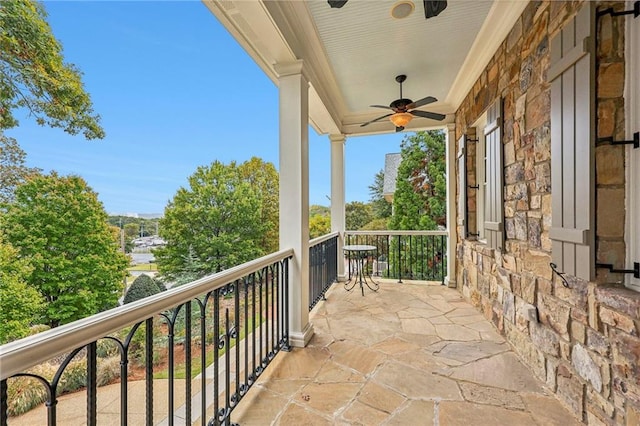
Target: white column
(450, 279)
(294, 193)
(337, 195)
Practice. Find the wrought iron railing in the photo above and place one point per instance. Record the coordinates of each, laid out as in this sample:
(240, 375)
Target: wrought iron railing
(416, 255)
(323, 266)
(226, 327)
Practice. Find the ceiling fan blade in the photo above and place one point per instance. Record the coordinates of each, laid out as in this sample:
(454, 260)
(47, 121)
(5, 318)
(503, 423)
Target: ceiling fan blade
(375, 119)
(421, 102)
(427, 114)
(380, 106)
(399, 129)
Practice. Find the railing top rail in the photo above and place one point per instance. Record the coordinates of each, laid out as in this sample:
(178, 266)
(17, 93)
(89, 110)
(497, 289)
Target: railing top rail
(396, 232)
(323, 238)
(21, 354)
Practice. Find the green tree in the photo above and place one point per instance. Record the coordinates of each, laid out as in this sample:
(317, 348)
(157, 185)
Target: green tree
(214, 224)
(58, 224)
(20, 305)
(376, 225)
(131, 230)
(33, 74)
(143, 286)
(316, 209)
(263, 178)
(380, 206)
(319, 225)
(12, 168)
(420, 198)
(357, 214)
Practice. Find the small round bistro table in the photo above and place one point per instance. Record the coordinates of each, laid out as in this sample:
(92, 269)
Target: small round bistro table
(357, 255)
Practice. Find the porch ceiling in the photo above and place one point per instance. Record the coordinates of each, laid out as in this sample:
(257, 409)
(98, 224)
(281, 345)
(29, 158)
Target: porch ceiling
(352, 55)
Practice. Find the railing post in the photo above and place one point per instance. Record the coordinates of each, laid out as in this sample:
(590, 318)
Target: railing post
(4, 408)
(400, 259)
(92, 383)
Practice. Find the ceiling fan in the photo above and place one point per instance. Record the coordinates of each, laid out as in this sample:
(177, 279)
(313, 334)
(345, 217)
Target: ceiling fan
(405, 109)
(431, 7)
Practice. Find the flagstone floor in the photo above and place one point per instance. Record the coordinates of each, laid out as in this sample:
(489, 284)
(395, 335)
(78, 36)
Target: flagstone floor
(410, 354)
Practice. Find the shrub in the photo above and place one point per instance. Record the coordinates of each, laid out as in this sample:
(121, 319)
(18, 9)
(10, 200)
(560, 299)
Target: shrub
(24, 393)
(74, 376)
(108, 370)
(161, 286)
(143, 286)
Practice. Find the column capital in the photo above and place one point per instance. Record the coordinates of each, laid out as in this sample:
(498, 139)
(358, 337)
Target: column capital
(337, 138)
(286, 69)
(451, 127)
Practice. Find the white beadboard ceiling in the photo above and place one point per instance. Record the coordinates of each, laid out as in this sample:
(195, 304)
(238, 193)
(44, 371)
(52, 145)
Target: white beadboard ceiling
(351, 55)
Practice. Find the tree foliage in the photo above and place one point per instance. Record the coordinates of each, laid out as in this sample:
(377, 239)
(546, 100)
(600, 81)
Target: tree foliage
(33, 74)
(316, 209)
(143, 286)
(216, 223)
(357, 215)
(380, 206)
(319, 225)
(58, 224)
(420, 197)
(12, 168)
(20, 305)
(263, 178)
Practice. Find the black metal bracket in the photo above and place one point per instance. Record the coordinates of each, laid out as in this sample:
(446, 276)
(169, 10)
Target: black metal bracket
(554, 268)
(473, 186)
(609, 11)
(635, 271)
(472, 140)
(609, 141)
(471, 234)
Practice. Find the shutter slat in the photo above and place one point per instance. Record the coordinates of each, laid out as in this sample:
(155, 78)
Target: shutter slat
(568, 150)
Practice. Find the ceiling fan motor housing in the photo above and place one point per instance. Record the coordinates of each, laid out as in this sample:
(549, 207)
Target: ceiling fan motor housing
(400, 104)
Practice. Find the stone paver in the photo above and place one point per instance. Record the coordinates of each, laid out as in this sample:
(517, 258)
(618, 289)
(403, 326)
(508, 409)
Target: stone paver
(410, 354)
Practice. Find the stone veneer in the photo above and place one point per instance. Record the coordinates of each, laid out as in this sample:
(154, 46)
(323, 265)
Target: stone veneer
(585, 344)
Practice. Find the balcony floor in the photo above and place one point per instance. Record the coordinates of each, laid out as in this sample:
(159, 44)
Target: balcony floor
(413, 353)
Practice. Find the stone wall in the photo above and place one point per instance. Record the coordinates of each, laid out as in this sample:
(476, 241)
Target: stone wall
(581, 341)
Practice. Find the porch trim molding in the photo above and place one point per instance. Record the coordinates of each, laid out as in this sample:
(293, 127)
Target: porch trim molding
(501, 18)
(300, 339)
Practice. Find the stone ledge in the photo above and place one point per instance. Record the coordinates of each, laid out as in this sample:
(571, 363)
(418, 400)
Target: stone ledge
(619, 298)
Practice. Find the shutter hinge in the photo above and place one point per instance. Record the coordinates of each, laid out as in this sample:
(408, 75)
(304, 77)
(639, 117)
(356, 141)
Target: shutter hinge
(635, 271)
(554, 268)
(609, 141)
(472, 140)
(473, 186)
(609, 11)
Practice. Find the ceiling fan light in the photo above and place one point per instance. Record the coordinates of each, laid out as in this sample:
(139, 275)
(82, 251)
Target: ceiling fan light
(401, 119)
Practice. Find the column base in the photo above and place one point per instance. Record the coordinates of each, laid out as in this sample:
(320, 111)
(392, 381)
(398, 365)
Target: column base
(300, 339)
(450, 283)
(342, 278)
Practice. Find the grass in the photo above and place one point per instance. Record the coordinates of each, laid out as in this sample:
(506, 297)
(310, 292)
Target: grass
(144, 267)
(180, 372)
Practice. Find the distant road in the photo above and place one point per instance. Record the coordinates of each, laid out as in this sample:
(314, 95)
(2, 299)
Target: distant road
(138, 258)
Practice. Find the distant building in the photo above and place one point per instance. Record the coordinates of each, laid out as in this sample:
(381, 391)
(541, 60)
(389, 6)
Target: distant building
(391, 164)
(149, 242)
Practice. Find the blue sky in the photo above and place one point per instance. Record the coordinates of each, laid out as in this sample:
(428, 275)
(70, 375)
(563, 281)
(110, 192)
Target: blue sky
(175, 91)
